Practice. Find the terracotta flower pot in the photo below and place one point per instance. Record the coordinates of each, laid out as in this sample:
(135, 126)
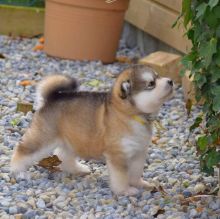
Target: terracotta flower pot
(84, 29)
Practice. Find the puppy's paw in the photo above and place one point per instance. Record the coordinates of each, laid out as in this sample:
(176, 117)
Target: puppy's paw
(77, 169)
(21, 175)
(146, 185)
(81, 170)
(131, 191)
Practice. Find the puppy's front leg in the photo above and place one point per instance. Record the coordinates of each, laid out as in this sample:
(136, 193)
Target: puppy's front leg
(136, 168)
(118, 172)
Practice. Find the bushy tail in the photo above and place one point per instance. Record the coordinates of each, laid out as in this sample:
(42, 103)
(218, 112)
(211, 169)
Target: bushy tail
(50, 88)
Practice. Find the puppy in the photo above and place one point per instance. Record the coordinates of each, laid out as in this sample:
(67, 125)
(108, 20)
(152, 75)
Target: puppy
(92, 124)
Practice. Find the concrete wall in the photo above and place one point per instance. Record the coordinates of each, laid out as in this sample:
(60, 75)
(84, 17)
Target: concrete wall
(146, 43)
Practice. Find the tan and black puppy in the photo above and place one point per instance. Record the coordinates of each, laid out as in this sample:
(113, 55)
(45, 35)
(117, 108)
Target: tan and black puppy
(89, 125)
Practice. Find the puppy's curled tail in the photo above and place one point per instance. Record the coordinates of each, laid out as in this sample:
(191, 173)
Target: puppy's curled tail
(53, 87)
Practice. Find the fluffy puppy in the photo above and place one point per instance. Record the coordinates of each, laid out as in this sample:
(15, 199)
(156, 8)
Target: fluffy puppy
(91, 124)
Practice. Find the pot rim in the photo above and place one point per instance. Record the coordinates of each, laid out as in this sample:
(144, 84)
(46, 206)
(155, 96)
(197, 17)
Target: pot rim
(117, 5)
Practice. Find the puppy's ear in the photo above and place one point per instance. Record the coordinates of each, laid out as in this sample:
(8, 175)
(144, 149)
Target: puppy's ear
(125, 89)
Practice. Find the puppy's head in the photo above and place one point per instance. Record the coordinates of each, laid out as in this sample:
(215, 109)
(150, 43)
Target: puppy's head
(142, 89)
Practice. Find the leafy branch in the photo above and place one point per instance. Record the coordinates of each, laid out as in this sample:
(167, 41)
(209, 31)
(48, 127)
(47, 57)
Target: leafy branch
(201, 18)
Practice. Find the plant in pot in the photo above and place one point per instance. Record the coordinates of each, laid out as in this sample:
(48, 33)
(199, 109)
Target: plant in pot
(84, 29)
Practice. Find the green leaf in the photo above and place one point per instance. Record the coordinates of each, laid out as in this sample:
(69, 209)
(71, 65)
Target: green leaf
(218, 31)
(213, 158)
(205, 168)
(186, 183)
(198, 66)
(190, 35)
(201, 9)
(216, 11)
(186, 11)
(196, 123)
(211, 18)
(215, 90)
(202, 143)
(209, 160)
(187, 60)
(207, 50)
(213, 138)
(213, 124)
(198, 96)
(200, 80)
(198, 30)
(216, 104)
(15, 122)
(213, 3)
(186, 5)
(94, 83)
(217, 61)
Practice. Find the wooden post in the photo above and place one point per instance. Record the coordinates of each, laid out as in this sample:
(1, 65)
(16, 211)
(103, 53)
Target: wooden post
(166, 64)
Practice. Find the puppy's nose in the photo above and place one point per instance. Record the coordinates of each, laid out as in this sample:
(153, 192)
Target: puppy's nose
(170, 82)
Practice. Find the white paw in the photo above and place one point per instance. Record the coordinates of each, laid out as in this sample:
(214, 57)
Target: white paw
(81, 169)
(131, 191)
(77, 169)
(18, 165)
(21, 175)
(146, 185)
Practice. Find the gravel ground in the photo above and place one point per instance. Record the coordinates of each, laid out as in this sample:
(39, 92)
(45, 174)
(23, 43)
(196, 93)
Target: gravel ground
(172, 160)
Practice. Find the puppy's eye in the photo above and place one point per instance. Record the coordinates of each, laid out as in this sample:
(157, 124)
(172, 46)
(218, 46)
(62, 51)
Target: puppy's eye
(151, 84)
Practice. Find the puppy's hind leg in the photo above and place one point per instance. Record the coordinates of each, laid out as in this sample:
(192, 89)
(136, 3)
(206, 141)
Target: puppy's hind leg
(70, 164)
(35, 145)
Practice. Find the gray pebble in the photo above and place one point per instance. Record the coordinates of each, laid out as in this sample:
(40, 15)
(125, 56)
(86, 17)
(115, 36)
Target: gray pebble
(30, 214)
(193, 213)
(214, 205)
(22, 207)
(187, 193)
(123, 201)
(146, 208)
(4, 203)
(13, 210)
(40, 203)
